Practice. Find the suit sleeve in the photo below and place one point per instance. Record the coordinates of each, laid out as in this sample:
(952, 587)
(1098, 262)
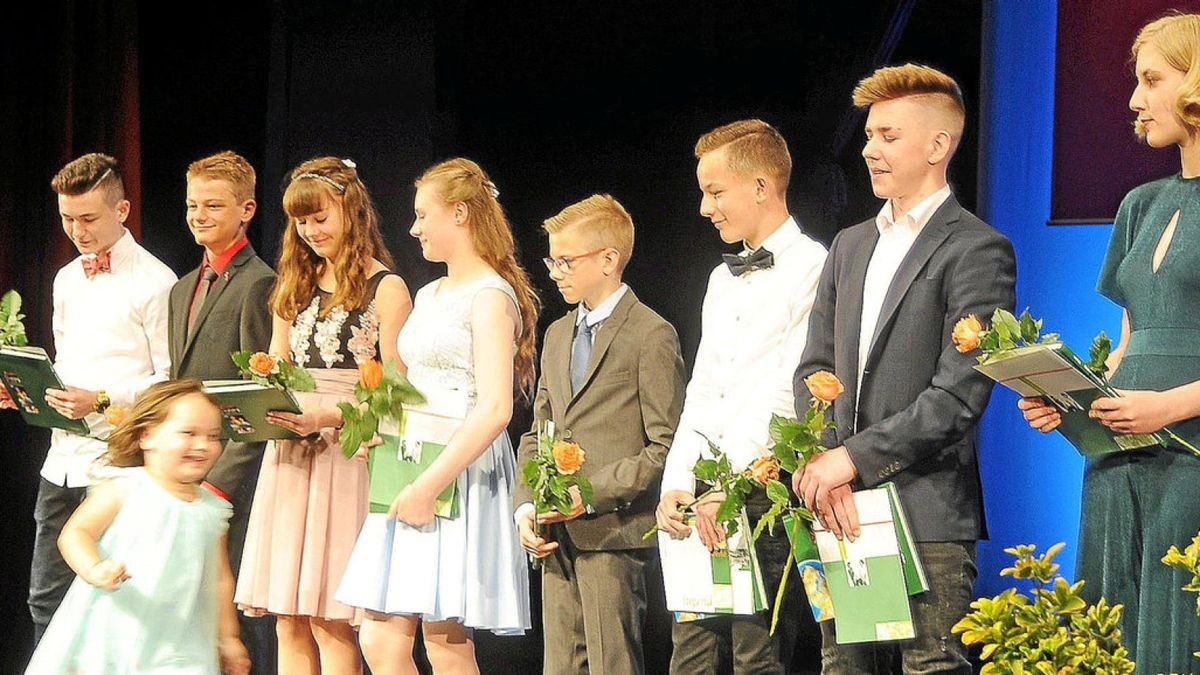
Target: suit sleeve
(660, 395)
(528, 443)
(981, 279)
(818, 351)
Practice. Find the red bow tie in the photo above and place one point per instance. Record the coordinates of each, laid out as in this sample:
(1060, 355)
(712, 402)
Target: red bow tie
(101, 263)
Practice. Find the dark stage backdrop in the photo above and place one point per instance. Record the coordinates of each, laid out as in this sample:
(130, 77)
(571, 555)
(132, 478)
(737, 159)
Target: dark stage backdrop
(556, 100)
(1093, 126)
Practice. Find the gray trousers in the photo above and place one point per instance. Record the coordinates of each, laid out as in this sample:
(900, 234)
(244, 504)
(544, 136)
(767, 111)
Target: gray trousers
(594, 609)
(49, 575)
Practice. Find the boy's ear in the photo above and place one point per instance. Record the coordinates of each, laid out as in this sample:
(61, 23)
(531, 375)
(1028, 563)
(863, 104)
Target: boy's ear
(761, 188)
(122, 210)
(249, 207)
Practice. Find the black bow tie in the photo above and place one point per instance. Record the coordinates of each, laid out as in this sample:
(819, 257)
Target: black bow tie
(740, 264)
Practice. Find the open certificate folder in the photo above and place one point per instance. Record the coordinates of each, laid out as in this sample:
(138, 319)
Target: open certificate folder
(1054, 373)
(244, 406)
(27, 373)
(700, 583)
(409, 446)
(869, 579)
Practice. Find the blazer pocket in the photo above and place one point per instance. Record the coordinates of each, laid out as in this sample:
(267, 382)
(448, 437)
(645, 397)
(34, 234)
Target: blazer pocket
(613, 379)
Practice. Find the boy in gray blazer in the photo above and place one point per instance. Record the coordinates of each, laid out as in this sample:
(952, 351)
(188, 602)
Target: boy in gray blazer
(611, 381)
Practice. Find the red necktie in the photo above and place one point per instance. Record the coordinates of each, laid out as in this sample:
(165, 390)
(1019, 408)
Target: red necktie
(93, 266)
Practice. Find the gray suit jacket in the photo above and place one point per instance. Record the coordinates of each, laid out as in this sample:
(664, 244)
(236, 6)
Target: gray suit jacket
(623, 416)
(920, 399)
(235, 317)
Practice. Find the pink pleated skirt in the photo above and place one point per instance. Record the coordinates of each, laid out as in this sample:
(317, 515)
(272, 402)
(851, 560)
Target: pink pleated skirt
(308, 507)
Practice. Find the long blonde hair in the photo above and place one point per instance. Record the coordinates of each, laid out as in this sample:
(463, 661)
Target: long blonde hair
(315, 185)
(461, 180)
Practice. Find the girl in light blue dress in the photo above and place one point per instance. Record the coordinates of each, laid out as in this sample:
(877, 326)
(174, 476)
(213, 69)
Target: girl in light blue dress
(468, 346)
(154, 592)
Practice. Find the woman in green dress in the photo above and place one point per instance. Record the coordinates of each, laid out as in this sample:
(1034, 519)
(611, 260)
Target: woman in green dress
(1136, 504)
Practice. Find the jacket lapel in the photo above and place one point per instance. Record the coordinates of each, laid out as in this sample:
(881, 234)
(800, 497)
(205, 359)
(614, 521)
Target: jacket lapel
(219, 285)
(604, 338)
(183, 303)
(928, 241)
(561, 357)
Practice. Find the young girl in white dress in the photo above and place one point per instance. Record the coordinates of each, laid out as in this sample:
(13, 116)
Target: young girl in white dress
(468, 346)
(154, 591)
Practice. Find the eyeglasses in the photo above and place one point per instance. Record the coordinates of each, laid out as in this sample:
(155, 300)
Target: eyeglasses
(565, 264)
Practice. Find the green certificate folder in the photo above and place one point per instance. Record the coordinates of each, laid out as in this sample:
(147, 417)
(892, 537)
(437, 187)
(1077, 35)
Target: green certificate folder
(27, 373)
(391, 471)
(700, 584)
(1054, 373)
(869, 579)
(244, 406)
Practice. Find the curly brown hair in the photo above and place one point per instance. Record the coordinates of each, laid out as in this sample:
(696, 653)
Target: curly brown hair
(315, 185)
(151, 409)
(461, 180)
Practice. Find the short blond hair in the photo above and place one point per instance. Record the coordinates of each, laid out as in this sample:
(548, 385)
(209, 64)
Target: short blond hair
(229, 167)
(605, 221)
(92, 171)
(1177, 37)
(752, 146)
(927, 85)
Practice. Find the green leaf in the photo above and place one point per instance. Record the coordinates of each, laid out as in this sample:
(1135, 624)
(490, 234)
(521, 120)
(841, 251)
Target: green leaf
(530, 473)
(706, 470)
(585, 490)
(1101, 348)
(241, 360)
(1029, 328)
(777, 492)
(350, 438)
(729, 510)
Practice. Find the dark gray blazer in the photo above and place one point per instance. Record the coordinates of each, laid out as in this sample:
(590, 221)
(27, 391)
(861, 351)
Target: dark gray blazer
(623, 416)
(235, 317)
(920, 399)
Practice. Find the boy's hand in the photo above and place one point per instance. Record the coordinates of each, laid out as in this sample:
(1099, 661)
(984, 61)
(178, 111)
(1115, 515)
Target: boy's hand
(107, 574)
(6, 402)
(235, 660)
(1040, 415)
(711, 532)
(73, 403)
(536, 545)
(577, 509)
(668, 515)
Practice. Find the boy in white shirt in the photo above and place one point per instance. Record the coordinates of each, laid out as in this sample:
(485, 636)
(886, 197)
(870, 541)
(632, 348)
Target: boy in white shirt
(110, 340)
(754, 324)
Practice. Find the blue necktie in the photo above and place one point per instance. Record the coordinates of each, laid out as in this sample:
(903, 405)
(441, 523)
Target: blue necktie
(581, 353)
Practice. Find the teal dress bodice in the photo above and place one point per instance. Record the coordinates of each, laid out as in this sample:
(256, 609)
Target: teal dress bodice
(1163, 349)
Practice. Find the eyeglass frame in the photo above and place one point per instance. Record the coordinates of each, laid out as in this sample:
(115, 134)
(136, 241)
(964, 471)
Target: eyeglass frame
(563, 264)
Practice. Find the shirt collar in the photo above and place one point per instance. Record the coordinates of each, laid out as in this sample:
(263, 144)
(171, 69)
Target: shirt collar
(122, 250)
(784, 236)
(221, 262)
(603, 310)
(917, 217)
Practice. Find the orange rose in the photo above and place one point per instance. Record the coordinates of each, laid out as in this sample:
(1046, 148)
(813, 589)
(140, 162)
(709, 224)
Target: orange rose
(967, 333)
(765, 469)
(263, 364)
(568, 457)
(824, 386)
(370, 374)
(115, 414)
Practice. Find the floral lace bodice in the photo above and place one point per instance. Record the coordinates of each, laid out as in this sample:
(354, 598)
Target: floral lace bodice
(436, 342)
(340, 339)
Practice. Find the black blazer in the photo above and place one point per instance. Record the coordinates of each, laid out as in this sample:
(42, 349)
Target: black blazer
(920, 399)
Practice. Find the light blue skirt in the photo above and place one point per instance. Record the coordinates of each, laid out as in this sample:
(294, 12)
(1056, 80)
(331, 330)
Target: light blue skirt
(469, 569)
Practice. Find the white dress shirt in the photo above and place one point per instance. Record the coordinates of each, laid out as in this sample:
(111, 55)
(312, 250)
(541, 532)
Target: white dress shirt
(895, 240)
(110, 333)
(753, 330)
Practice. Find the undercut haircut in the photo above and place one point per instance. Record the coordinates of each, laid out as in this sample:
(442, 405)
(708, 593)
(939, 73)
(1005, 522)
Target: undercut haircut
(928, 86)
(92, 171)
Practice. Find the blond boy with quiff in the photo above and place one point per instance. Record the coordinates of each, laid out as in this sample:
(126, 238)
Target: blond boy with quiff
(611, 381)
